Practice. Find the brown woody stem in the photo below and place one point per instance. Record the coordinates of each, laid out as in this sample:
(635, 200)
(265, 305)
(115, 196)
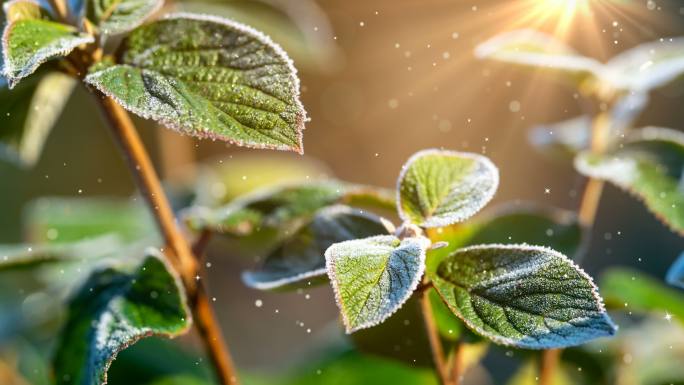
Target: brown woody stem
(178, 250)
(433, 336)
(594, 187)
(457, 366)
(549, 363)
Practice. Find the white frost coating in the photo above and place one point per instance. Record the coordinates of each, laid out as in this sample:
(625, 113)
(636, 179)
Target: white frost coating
(619, 170)
(257, 280)
(658, 133)
(531, 268)
(640, 69)
(17, 71)
(554, 254)
(250, 279)
(550, 52)
(623, 170)
(486, 173)
(110, 28)
(388, 292)
(646, 66)
(175, 124)
(114, 333)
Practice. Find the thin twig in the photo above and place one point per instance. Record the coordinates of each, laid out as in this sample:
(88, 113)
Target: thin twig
(594, 187)
(456, 361)
(433, 336)
(201, 243)
(549, 363)
(178, 250)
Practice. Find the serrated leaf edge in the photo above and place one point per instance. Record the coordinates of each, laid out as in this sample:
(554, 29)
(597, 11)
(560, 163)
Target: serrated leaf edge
(131, 26)
(515, 343)
(41, 56)
(154, 253)
(646, 133)
(331, 269)
(300, 113)
(456, 218)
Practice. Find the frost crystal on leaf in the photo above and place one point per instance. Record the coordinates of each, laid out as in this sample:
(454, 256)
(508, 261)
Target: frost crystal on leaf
(210, 78)
(373, 277)
(650, 165)
(29, 39)
(300, 259)
(113, 310)
(438, 188)
(118, 16)
(524, 296)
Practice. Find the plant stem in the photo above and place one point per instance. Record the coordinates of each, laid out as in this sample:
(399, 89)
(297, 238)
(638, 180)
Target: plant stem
(433, 337)
(549, 363)
(594, 187)
(178, 250)
(457, 363)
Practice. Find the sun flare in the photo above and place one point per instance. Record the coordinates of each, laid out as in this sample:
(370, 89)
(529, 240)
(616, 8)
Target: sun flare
(561, 11)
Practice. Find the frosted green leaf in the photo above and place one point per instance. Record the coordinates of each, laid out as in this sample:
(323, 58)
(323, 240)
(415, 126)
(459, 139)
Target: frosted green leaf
(640, 69)
(300, 259)
(373, 277)
(675, 275)
(522, 296)
(536, 49)
(30, 39)
(641, 293)
(210, 78)
(113, 310)
(28, 113)
(650, 165)
(118, 16)
(512, 224)
(646, 66)
(531, 224)
(438, 188)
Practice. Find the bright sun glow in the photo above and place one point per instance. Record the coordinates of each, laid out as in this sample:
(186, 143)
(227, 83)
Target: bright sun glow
(561, 10)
